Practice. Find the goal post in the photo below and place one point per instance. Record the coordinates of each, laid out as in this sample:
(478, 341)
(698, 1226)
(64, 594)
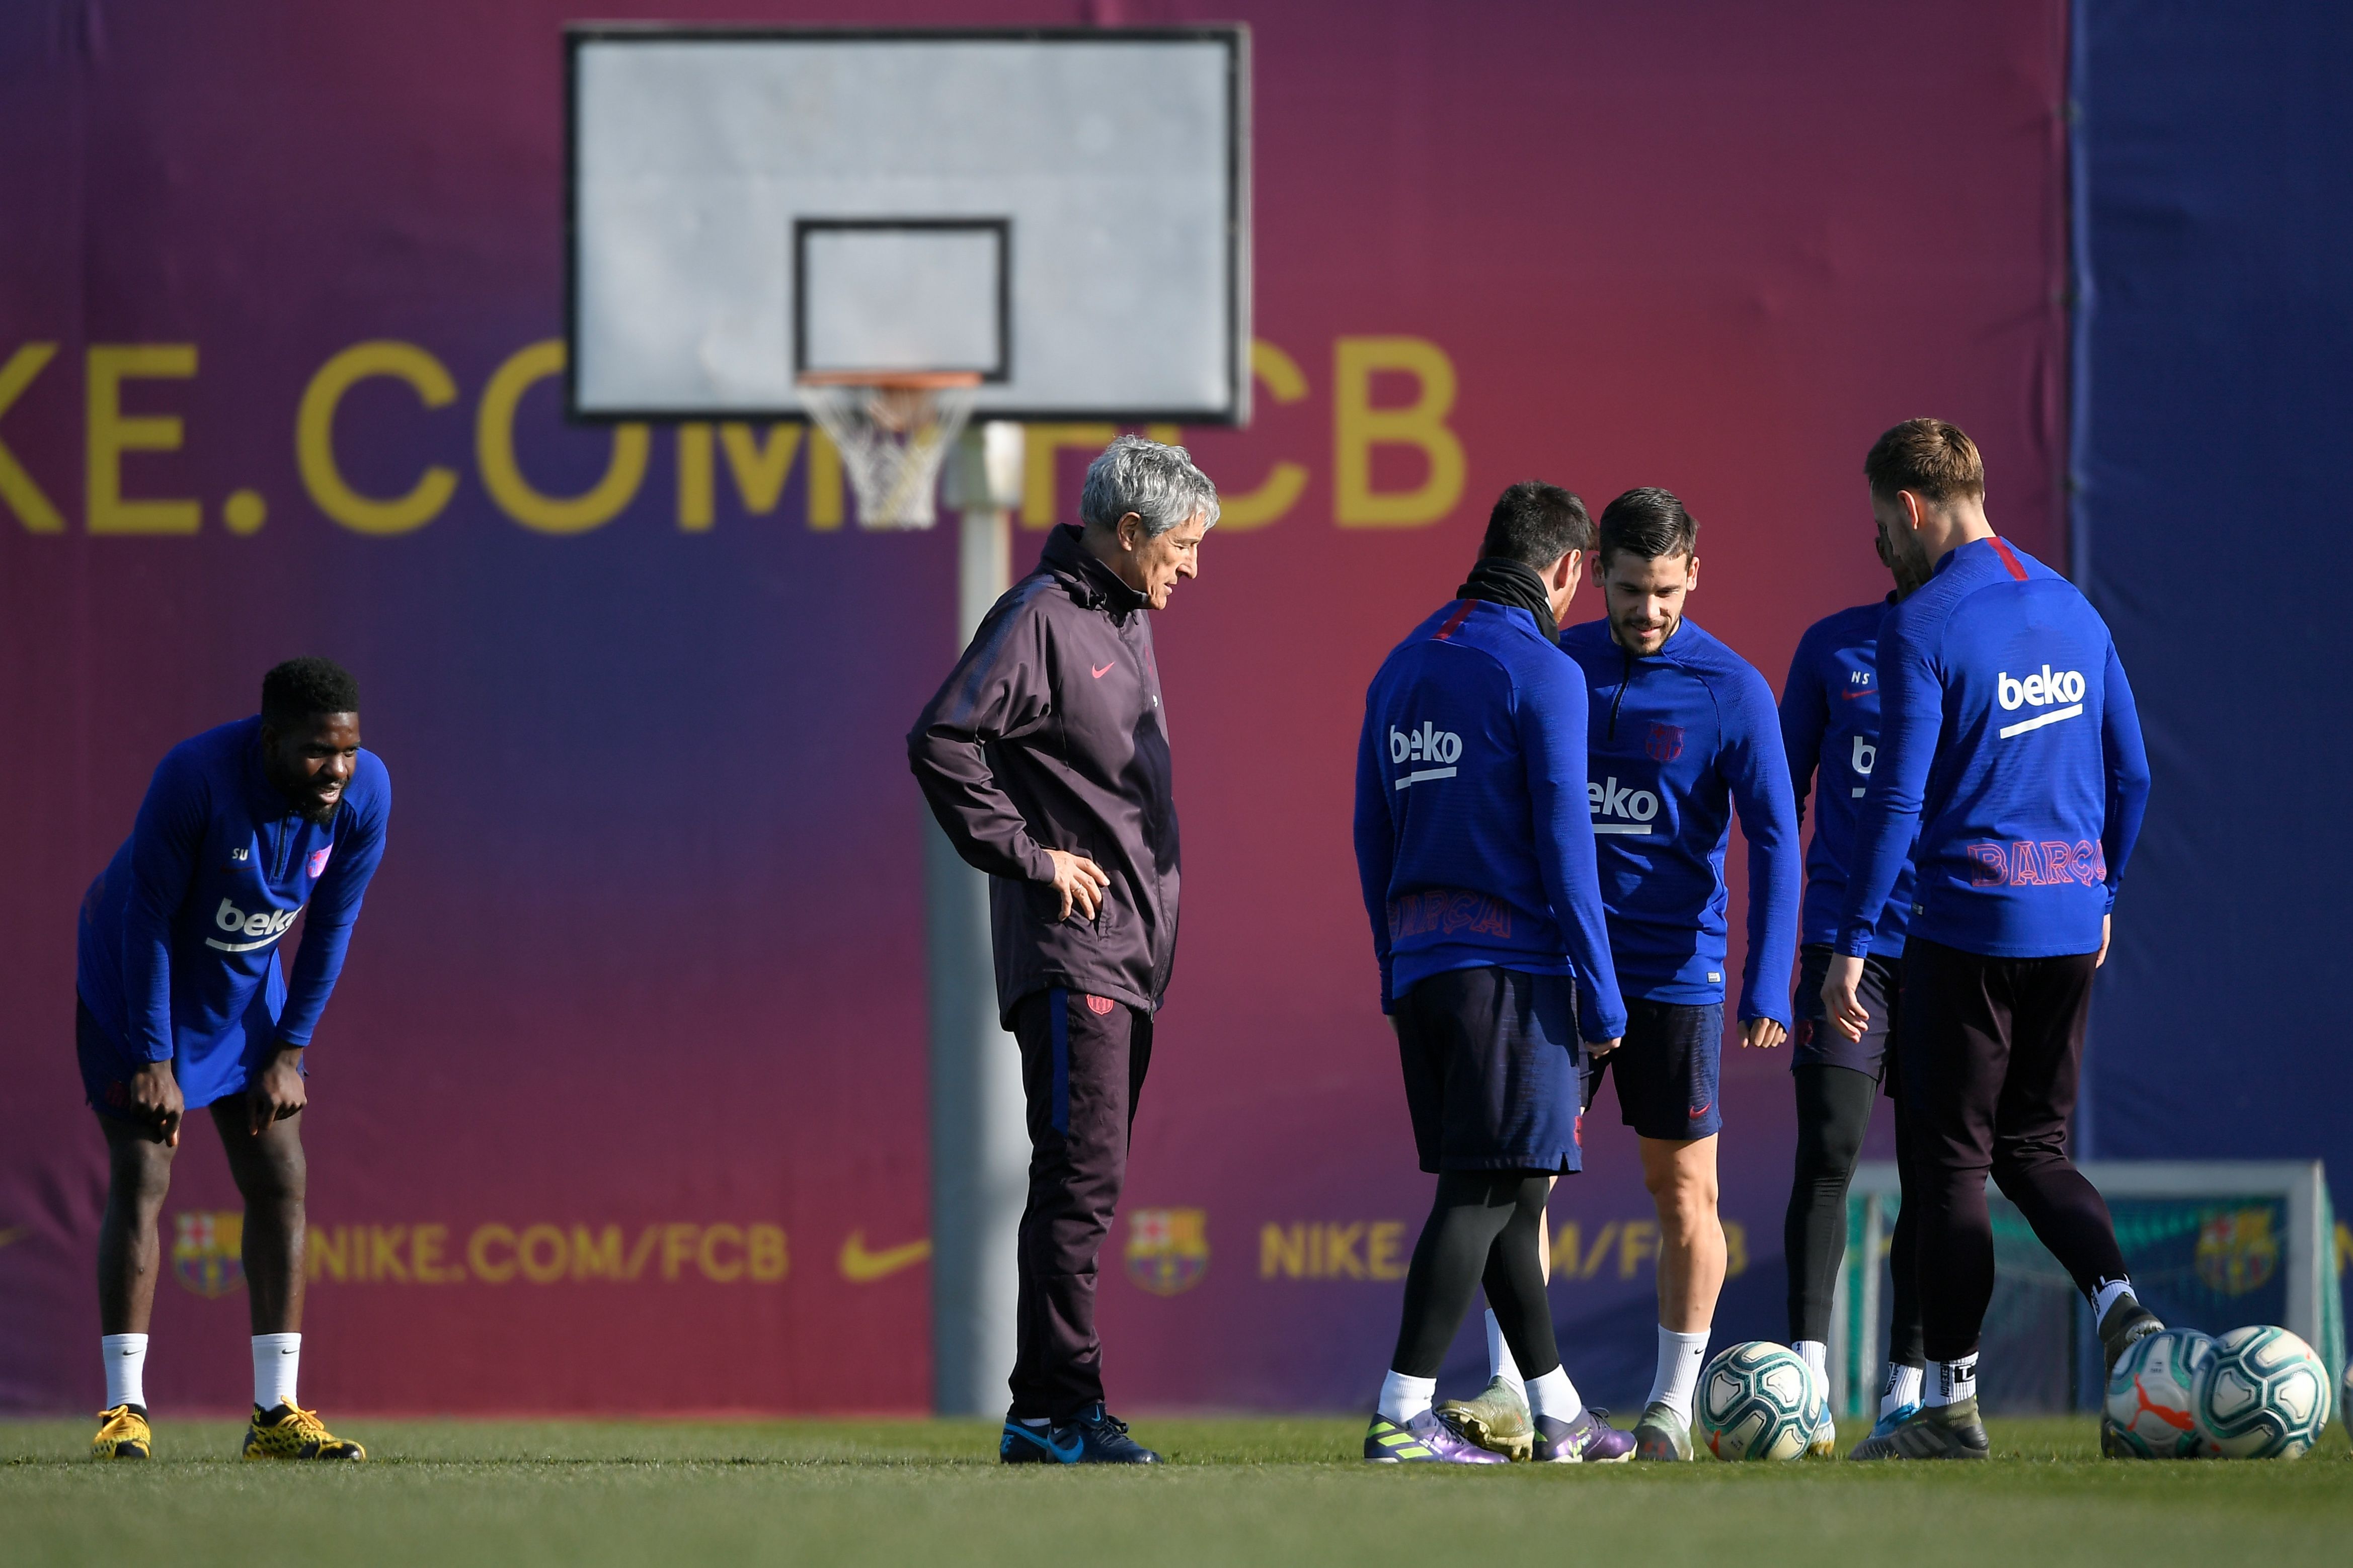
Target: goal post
(2211, 1245)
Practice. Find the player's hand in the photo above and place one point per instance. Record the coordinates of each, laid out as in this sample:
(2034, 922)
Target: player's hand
(1081, 882)
(276, 1092)
(1761, 1034)
(1597, 1052)
(2102, 958)
(155, 1100)
(1841, 1003)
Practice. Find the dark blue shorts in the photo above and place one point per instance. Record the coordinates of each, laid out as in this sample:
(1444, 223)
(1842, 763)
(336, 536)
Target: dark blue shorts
(105, 1072)
(1666, 1069)
(1492, 1066)
(1815, 1044)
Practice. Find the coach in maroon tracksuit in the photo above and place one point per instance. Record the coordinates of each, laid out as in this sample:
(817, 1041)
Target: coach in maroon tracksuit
(1045, 757)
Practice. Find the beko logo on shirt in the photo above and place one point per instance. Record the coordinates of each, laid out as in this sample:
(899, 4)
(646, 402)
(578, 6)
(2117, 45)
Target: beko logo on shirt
(1632, 808)
(1865, 755)
(2039, 690)
(267, 925)
(1428, 744)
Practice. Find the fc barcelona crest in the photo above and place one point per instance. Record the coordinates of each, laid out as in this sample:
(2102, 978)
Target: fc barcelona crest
(1666, 742)
(2237, 1250)
(1167, 1249)
(205, 1251)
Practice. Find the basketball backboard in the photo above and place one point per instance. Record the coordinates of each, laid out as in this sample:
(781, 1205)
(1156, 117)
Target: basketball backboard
(1064, 213)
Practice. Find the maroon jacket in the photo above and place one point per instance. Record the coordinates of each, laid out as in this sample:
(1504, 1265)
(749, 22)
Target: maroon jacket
(1049, 734)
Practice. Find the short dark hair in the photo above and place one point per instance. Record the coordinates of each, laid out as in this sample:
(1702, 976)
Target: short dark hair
(1649, 522)
(302, 688)
(1935, 461)
(1535, 525)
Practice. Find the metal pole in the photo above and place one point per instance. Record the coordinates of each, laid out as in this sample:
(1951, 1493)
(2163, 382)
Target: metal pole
(980, 1145)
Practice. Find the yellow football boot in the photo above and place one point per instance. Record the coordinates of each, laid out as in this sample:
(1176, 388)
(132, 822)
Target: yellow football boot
(122, 1434)
(290, 1432)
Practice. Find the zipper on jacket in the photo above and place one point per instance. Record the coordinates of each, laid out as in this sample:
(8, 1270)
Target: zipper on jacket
(1623, 679)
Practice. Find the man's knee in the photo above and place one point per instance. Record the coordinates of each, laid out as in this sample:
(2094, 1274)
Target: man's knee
(277, 1172)
(139, 1175)
(1685, 1196)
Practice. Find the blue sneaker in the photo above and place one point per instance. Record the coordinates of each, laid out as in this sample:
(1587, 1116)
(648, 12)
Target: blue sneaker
(1094, 1437)
(1588, 1440)
(1424, 1440)
(1021, 1443)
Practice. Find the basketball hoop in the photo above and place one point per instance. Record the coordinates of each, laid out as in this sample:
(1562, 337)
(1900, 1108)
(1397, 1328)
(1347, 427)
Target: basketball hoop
(894, 430)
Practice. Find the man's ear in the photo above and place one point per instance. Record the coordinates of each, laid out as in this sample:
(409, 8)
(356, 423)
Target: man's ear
(1915, 509)
(1565, 570)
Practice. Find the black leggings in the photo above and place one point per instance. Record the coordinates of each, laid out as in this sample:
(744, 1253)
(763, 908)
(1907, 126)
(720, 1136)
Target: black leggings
(1483, 1230)
(1833, 1111)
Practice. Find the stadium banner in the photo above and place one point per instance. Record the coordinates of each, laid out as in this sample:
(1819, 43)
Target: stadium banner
(629, 1059)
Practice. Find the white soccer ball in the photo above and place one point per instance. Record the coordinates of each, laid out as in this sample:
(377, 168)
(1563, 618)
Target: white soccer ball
(2262, 1396)
(2151, 1400)
(1758, 1401)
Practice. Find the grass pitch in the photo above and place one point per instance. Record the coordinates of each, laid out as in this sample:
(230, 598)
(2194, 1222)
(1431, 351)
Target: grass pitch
(1236, 1491)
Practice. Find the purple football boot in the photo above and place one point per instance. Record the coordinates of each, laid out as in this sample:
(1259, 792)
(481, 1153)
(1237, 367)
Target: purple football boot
(1588, 1440)
(1424, 1440)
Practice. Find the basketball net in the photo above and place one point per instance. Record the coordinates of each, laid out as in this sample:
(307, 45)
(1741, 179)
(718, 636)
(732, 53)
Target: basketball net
(894, 431)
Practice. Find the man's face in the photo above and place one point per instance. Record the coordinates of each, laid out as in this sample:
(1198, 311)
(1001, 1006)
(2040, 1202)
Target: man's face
(311, 762)
(1645, 597)
(1153, 567)
(1900, 549)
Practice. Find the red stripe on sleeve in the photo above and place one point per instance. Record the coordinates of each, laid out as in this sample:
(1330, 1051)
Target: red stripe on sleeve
(2007, 559)
(1462, 615)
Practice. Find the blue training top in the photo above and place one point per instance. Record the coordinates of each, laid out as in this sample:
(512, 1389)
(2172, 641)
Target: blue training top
(176, 954)
(1680, 740)
(1830, 728)
(2008, 738)
(1472, 842)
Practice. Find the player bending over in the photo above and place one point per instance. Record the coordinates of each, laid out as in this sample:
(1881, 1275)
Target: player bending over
(182, 1004)
(1830, 728)
(2009, 745)
(1682, 733)
(1476, 856)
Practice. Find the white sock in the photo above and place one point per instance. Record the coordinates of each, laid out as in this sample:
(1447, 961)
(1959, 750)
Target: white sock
(1403, 1397)
(1950, 1382)
(276, 1359)
(1553, 1394)
(1679, 1361)
(1901, 1388)
(2109, 1292)
(1816, 1354)
(126, 1368)
(1499, 1355)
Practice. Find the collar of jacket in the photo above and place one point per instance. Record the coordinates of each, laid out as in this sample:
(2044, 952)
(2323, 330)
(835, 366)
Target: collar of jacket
(1090, 582)
(1499, 581)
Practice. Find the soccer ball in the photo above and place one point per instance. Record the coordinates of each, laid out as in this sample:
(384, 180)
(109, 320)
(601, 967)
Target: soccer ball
(2262, 1396)
(2150, 1404)
(1758, 1401)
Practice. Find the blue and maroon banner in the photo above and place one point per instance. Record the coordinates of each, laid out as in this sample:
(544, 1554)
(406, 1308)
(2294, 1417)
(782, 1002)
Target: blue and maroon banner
(629, 1059)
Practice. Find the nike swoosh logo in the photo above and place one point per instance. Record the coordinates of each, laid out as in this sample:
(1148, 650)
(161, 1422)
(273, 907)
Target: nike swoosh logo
(1045, 1440)
(1866, 691)
(1700, 1111)
(1099, 671)
(860, 1267)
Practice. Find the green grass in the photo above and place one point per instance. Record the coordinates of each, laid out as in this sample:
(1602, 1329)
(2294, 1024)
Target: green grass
(1270, 1491)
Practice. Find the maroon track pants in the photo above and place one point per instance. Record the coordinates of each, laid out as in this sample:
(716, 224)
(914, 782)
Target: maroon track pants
(1082, 1064)
(1990, 1050)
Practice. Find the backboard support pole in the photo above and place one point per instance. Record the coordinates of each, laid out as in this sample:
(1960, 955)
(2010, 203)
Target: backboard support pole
(980, 1144)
